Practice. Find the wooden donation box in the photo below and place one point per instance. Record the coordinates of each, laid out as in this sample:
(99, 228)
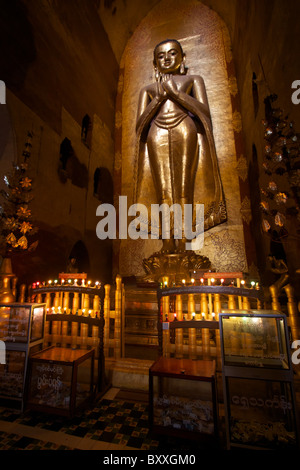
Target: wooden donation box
(60, 380)
(22, 331)
(258, 385)
(182, 394)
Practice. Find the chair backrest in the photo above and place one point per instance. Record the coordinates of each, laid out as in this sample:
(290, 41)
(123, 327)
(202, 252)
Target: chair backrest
(78, 331)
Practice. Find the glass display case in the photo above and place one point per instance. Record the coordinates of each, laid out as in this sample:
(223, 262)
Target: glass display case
(22, 323)
(12, 374)
(260, 405)
(255, 341)
(22, 330)
(60, 379)
(183, 398)
(261, 413)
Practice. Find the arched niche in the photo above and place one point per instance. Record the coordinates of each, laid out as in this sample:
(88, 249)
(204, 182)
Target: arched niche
(206, 43)
(80, 254)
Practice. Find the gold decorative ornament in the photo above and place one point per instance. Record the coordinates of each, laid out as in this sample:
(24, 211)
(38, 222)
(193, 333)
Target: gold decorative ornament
(23, 243)
(24, 212)
(11, 239)
(176, 266)
(242, 168)
(265, 225)
(25, 182)
(25, 227)
(237, 122)
(246, 210)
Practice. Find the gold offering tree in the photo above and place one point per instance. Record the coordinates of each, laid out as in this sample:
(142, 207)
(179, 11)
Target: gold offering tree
(16, 224)
(281, 195)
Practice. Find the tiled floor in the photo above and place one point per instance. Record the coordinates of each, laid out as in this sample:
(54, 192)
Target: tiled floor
(113, 424)
(119, 421)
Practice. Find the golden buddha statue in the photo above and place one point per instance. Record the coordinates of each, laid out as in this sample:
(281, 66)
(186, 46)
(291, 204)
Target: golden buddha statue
(174, 129)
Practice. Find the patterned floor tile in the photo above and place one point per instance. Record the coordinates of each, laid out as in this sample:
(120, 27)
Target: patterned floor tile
(16, 442)
(114, 421)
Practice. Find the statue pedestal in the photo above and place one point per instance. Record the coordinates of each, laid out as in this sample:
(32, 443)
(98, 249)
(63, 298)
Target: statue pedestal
(175, 266)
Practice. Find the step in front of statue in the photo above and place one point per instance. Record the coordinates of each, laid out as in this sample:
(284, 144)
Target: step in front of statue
(141, 317)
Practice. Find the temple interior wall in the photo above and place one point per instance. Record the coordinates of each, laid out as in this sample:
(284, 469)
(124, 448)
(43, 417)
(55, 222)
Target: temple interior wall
(59, 63)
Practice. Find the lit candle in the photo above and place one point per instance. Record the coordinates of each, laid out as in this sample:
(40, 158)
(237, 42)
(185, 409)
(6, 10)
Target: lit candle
(97, 284)
(62, 281)
(222, 281)
(193, 281)
(193, 315)
(69, 281)
(213, 315)
(75, 282)
(49, 282)
(203, 316)
(252, 284)
(243, 282)
(83, 282)
(183, 282)
(89, 283)
(202, 280)
(212, 280)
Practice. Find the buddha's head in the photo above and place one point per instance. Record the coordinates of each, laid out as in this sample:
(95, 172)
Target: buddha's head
(169, 57)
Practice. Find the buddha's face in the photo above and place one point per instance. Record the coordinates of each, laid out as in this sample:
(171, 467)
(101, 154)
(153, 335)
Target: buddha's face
(168, 57)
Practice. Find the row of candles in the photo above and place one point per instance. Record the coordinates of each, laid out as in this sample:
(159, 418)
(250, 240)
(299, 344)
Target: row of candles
(203, 316)
(67, 282)
(212, 281)
(79, 311)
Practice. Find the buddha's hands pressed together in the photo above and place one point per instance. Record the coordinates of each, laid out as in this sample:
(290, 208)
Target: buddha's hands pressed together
(168, 84)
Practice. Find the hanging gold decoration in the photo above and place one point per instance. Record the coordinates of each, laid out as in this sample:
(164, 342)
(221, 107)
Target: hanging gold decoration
(25, 227)
(26, 182)
(11, 239)
(10, 223)
(24, 212)
(264, 206)
(279, 219)
(272, 186)
(265, 225)
(23, 243)
(281, 198)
